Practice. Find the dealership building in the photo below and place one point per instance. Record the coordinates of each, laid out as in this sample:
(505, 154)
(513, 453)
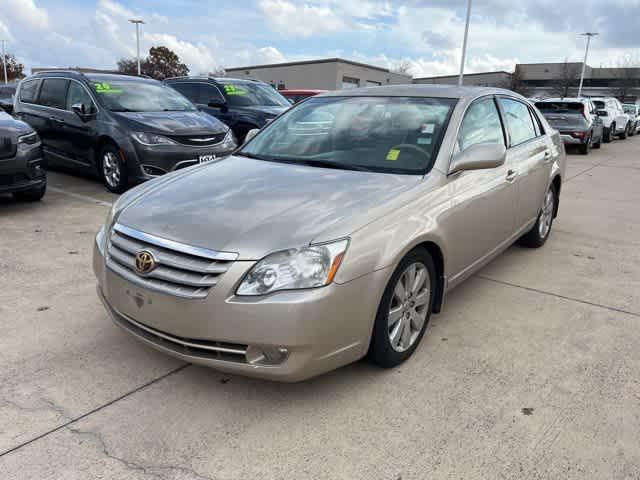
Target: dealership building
(325, 74)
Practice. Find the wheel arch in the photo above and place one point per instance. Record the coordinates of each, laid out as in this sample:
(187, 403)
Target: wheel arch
(100, 142)
(437, 256)
(557, 185)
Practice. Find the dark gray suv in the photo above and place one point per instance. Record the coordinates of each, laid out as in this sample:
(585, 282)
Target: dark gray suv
(22, 169)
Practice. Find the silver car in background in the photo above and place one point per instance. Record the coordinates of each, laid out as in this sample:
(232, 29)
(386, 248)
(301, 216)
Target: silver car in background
(333, 233)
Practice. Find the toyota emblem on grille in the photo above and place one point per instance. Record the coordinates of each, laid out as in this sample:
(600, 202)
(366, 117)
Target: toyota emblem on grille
(145, 262)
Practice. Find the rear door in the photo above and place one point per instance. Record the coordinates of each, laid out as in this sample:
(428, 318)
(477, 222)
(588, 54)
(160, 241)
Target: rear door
(51, 110)
(530, 158)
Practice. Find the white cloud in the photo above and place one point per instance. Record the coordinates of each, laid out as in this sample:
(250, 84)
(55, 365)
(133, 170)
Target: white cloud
(306, 20)
(198, 57)
(24, 13)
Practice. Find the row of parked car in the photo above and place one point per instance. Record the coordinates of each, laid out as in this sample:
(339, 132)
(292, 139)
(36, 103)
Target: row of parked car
(132, 129)
(588, 122)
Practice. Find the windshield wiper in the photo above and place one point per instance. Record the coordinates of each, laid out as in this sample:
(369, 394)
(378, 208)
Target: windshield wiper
(310, 162)
(121, 110)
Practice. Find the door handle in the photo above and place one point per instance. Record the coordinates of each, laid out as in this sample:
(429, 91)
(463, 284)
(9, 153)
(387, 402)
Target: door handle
(511, 175)
(547, 157)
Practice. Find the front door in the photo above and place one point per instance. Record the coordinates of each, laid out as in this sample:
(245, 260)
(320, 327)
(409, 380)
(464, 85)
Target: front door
(484, 201)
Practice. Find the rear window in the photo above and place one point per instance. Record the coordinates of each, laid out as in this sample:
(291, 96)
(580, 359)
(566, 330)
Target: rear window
(560, 107)
(28, 91)
(599, 104)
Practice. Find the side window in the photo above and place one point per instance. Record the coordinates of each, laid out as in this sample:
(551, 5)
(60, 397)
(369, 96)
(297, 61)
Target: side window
(54, 93)
(208, 94)
(78, 94)
(189, 90)
(481, 124)
(537, 125)
(28, 91)
(518, 120)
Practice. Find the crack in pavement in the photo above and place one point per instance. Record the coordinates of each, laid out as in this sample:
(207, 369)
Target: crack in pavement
(97, 409)
(557, 295)
(49, 405)
(155, 471)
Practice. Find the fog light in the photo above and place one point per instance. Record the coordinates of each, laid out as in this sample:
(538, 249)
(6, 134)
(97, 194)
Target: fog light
(153, 171)
(266, 355)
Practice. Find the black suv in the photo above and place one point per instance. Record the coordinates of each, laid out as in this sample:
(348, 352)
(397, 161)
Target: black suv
(243, 104)
(128, 129)
(22, 169)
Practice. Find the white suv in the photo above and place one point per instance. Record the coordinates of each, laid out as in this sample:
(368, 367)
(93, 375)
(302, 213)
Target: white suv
(616, 122)
(633, 111)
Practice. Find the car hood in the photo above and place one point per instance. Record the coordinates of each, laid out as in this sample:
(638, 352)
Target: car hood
(173, 123)
(263, 109)
(255, 207)
(10, 127)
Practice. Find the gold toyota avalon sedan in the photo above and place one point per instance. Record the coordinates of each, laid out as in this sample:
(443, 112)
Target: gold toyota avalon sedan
(334, 232)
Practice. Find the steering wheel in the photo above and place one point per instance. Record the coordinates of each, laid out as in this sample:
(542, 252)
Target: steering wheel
(409, 146)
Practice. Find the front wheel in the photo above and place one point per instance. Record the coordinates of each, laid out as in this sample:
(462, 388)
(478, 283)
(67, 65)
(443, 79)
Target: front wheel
(608, 134)
(112, 169)
(537, 236)
(404, 310)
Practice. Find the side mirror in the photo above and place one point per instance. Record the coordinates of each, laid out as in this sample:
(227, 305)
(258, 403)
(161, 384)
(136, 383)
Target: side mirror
(602, 113)
(79, 109)
(217, 103)
(250, 134)
(478, 157)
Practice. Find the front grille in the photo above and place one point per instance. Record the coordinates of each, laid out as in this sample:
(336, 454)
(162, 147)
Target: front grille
(7, 148)
(181, 270)
(15, 179)
(199, 140)
(213, 350)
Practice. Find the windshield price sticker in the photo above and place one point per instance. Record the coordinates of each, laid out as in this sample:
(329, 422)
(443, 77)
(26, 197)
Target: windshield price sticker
(393, 154)
(233, 90)
(106, 88)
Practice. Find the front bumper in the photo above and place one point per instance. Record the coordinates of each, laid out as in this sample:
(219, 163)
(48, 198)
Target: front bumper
(320, 329)
(24, 171)
(152, 162)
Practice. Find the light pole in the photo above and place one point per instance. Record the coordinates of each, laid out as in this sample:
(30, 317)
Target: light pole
(4, 63)
(137, 23)
(464, 43)
(586, 52)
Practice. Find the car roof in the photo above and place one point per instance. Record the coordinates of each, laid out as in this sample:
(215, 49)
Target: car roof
(301, 91)
(107, 77)
(564, 99)
(421, 90)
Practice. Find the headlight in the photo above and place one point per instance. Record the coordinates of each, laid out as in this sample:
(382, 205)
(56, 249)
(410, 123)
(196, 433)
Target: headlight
(229, 141)
(105, 230)
(306, 267)
(151, 139)
(29, 139)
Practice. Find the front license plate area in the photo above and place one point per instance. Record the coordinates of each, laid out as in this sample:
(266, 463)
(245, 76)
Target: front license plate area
(206, 158)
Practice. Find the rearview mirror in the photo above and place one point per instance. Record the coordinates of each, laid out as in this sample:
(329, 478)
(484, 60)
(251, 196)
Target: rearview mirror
(250, 134)
(602, 113)
(478, 157)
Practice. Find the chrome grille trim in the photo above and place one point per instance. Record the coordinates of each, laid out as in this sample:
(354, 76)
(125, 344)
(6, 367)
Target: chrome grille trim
(172, 245)
(178, 272)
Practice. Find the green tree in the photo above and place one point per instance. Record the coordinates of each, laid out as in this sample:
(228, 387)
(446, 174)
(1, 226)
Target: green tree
(161, 63)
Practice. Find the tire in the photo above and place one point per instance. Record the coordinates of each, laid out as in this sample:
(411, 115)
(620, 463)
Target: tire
(539, 233)
(414, 311)
(608, 137)
(599, 144)
(623, 135)
(33, 195)
(632, 129)
(585, 147)
(112, 170)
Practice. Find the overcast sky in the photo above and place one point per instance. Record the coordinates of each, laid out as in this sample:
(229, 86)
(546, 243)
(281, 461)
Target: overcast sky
(428, 34)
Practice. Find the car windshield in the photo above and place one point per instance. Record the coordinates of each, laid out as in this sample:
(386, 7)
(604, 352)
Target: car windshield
(560, 107)
(246, 94)
(136, 96)
(380, 134)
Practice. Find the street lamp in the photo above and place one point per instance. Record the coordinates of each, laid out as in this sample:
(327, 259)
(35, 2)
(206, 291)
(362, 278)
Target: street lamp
(137, 23)
(4, 63)
(586, 52)
(464, 43)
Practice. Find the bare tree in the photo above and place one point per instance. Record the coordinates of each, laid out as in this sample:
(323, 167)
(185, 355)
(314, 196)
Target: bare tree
(15, 70)
(517, 84)
(627, 77)
(403, 66)
(567, 80)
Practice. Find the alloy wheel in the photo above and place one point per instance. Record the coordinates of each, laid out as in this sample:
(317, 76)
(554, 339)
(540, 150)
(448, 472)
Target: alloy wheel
(546, 215)
(111, 169)
(409, 307)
